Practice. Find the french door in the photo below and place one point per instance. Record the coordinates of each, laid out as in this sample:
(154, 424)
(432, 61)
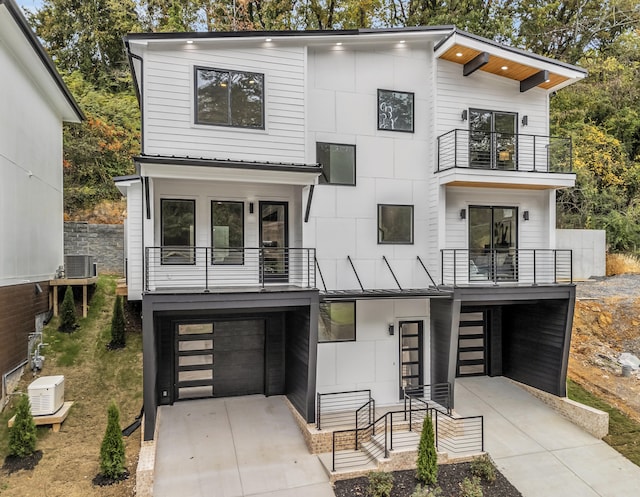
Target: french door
(493, 243)
(274, 240)
(493, 140)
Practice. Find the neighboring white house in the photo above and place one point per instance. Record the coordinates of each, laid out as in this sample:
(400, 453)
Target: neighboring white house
(34, 102)
(329, 211)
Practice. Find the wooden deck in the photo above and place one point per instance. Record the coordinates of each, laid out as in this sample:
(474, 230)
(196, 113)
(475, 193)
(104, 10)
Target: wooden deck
(55, 420)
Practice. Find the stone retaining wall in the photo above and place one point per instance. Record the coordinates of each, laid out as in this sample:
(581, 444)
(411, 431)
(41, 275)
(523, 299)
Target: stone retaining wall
(105, 242)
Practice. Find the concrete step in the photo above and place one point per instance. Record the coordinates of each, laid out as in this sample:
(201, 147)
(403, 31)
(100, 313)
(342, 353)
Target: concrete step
(347, 462)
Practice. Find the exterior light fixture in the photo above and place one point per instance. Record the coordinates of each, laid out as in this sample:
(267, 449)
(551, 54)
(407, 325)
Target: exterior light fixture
(402, 41)
(525, 120)
(459, 54)
(190, 42)
(504, 68)
(391, 330)
(464, 115)
(250, 207)
(268, 39)
(525, 215)
(339, 43)
(463, 214)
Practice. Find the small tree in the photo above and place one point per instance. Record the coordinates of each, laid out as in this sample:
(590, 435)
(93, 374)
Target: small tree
(68, 312)
(22, 436)
(427, 470)
(112, 448)
(117, 325)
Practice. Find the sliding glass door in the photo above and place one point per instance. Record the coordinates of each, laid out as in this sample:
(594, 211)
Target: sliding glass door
(493, 243)
(493, 139)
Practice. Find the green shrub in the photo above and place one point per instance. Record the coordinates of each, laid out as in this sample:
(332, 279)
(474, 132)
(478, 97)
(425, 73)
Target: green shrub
(68, 320)
(483, 467)
(380, 484)
(427, 466)
(112, 449)
(117, 325)
(22, 436)
(425, 491)
(471, 487)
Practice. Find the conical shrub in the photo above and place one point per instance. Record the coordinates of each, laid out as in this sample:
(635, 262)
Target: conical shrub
(427, 466)
(22, 436)
(117, 325)
(112, 455)
(68, 319)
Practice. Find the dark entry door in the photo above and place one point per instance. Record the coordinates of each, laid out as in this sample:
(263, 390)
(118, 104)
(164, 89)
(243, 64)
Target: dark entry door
(274, 239)
(472, 339)
(220, 358)
(493, 243)
(411, 355)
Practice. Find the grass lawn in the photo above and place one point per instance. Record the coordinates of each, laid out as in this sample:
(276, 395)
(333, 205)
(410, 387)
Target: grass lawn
(624, 432)
(94, 376)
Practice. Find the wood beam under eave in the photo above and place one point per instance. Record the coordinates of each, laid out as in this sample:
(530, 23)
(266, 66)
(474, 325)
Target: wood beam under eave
(476, 63)
(533, 81)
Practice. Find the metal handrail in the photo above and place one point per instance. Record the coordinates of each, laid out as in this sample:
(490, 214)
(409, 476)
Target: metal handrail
(509, 265)
(463, 148)
(343, 405)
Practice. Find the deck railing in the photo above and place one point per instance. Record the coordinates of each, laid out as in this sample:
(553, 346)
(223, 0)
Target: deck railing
(173, 268)
(343, 409)
(504, 151)
(503, 266)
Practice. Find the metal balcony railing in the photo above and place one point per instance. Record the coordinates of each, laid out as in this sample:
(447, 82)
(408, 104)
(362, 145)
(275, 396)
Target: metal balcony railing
(204, 268)
(504, 151)
(522, 266)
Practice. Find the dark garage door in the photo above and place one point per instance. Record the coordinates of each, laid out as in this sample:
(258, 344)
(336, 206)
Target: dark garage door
(220, 359)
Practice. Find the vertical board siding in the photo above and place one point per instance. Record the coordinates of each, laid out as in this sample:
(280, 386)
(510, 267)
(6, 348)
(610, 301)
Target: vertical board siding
(275, 355)
(297, 360)
(441, 328)
(169, 127)
(534, 343)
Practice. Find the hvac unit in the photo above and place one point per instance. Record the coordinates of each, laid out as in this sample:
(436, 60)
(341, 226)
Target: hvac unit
(46, 395)
(79, 266)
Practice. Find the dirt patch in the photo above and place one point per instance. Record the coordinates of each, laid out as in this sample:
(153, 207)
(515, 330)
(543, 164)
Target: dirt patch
(449, 478)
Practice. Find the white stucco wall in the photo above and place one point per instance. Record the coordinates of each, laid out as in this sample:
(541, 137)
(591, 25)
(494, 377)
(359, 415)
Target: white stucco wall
(31, 224)
(589, 251)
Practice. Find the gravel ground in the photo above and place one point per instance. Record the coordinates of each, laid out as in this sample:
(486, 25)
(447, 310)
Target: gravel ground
(623, 285)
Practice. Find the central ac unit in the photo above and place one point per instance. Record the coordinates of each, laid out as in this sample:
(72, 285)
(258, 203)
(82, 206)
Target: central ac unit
(79, 266)
(46, 395)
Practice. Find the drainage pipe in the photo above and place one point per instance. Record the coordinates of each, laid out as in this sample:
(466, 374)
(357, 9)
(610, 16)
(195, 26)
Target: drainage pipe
(4, 381)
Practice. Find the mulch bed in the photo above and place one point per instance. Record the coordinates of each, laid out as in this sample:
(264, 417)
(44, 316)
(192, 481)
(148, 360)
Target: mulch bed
(14, 463)
(104, 481)
(449, 477)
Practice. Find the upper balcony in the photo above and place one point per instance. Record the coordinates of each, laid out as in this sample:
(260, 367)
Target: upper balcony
(504, 160)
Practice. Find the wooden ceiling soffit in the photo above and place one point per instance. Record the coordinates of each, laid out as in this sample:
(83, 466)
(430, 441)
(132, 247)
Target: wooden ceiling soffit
(480, 60)
(534, 80)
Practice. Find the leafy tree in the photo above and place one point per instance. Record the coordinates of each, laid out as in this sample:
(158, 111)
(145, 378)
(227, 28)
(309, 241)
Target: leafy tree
(68, 319)
(112, 454)
(117, 325)
(427, 466)
(22, 435)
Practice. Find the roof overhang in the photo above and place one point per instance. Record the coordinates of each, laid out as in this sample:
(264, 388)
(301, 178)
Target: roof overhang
(392, 293)
(523, 180)
(201, 169)
(16, 34)
(124, 182)
(532, 71)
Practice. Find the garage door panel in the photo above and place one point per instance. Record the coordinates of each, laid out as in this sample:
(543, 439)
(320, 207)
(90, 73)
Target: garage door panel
(238, 343)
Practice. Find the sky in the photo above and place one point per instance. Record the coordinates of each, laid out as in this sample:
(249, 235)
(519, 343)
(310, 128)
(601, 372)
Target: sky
(29, 4)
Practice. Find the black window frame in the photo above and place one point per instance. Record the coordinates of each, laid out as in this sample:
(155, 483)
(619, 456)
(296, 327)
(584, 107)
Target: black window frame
(167, 250)
(380, 242)
(229, 123)
(241, 251)
(355, 320)
(413, 111)
(327, 178)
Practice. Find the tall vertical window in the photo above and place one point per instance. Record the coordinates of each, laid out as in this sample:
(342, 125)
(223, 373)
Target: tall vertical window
(395, 224)
(338, 163)
(229, 98)
(178, 230)
(227, 232)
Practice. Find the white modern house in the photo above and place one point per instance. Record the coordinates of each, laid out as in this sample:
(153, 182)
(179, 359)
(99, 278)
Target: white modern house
(332, 211)
(34, 103)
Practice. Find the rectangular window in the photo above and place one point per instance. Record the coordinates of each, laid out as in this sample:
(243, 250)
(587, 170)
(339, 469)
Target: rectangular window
(395, 110)
(227, 232)
(337, 322)
(338, 163)
(229, 98)
(178, 229)
(395, 224)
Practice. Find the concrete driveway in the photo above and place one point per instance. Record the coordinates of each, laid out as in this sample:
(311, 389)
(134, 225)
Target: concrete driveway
(232, 447)
(539, 451)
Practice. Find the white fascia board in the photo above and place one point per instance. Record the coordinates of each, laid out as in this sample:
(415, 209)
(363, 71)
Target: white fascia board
(24, 55)
(203, 173)
(535, 61)
(124, 186)
(507, 178)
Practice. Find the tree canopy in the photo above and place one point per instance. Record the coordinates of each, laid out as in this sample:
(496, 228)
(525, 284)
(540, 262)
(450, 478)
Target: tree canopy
(601, 113)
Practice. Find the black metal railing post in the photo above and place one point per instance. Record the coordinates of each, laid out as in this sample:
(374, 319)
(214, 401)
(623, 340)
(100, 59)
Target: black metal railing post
(206, 268)
(571, 265)
(442, 267)
(535, 278)
(261, 262)
(146, 269)
(555, 266)
(333, 452)
(390, 430)
(455, 148)
(436, 425)
(386, 448)
(319, 414)
(482, 432)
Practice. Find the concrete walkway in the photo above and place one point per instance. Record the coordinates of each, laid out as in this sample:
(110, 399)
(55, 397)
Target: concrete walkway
(539, 451)
(233, 447)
